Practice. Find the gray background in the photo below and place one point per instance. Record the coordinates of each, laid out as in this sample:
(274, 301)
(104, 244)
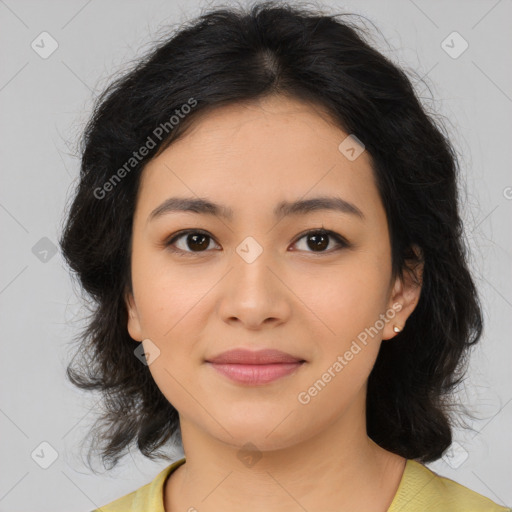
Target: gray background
(44, 105)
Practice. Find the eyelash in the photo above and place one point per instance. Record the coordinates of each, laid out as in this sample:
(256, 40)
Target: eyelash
(343, 243)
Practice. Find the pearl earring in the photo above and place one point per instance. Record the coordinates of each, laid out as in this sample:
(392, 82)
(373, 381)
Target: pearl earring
(396, 328)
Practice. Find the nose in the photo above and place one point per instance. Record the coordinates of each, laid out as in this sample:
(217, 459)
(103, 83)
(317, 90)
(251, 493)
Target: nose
(254, 292)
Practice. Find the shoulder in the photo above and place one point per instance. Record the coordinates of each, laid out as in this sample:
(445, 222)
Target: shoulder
(421, 489)
(145, 498)
(125, 503)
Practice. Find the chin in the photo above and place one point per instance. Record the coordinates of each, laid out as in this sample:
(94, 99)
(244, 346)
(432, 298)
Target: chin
(260, 434)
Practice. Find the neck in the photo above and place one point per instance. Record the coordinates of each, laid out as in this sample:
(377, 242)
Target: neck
(340, 469)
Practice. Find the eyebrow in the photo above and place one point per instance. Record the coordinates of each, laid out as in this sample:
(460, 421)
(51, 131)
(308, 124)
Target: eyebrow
(283, 209)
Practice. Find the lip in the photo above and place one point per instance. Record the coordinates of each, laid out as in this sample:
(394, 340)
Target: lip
(244, 356)
(255, 367)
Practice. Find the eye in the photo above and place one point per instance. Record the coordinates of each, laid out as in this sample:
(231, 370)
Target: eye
(194, 238)
(318, 240)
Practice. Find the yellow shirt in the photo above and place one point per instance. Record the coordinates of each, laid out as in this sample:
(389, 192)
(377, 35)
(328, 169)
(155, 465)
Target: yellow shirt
(420, 490)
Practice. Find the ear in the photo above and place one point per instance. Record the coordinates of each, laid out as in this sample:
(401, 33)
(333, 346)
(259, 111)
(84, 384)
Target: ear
(134, 327)
(406, 292)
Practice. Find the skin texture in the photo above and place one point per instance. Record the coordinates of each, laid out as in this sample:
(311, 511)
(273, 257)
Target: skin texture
(309, 302)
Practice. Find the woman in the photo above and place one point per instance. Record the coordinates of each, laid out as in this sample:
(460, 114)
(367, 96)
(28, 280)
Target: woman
(268, 222)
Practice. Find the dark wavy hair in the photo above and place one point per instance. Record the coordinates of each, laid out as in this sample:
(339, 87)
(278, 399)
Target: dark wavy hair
(234, 55)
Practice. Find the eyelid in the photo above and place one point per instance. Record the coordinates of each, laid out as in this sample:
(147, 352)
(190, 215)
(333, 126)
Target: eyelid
(342, 242)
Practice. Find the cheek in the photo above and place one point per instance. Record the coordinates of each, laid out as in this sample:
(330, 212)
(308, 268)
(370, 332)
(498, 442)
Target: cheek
(347, 341)
(345, 299)
(170, 310)
(166, 293)
(346, 330)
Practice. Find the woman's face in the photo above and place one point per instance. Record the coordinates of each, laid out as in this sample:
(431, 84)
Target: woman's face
(255, 279)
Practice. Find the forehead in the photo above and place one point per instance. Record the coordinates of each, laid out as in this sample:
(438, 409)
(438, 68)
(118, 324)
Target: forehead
(254, 155)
